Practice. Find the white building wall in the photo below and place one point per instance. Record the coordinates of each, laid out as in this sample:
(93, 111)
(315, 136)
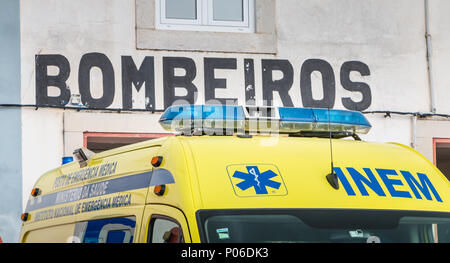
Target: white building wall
(387, 36)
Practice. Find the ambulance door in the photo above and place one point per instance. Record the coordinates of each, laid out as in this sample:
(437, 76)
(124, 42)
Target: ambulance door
(164, 224)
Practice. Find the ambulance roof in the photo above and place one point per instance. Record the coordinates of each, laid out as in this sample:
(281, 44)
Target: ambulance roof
(290, 172)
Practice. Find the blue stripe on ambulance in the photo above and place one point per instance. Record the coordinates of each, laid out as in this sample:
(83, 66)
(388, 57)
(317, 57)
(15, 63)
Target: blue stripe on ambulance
(126, 183)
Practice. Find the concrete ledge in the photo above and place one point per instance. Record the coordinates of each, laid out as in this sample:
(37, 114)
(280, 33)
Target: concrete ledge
(201, 41)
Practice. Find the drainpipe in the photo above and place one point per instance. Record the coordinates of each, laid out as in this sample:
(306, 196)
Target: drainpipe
(414, 132)
(429, 58)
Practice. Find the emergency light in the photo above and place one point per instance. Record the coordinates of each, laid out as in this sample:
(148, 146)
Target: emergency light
(260, 119)
(83, 155)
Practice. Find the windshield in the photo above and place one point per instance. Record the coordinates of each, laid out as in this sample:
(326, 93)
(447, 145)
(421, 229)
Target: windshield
(319, 225)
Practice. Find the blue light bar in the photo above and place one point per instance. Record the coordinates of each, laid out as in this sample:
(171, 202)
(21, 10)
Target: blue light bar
(262, 119)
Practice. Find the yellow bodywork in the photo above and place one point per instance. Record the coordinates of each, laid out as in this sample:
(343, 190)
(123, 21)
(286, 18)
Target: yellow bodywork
(208, 172)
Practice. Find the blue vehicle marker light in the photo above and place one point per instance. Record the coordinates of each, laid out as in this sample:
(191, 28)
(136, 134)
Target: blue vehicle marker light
(67, 159)
(282, 119)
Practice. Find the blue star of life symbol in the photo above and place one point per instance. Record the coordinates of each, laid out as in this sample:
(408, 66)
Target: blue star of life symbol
(254, 178)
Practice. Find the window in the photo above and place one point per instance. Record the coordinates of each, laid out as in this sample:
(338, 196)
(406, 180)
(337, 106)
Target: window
(194, 33)
(206, 15)
(441, 152)
(164, 230)
(102, 141)
(109, 230)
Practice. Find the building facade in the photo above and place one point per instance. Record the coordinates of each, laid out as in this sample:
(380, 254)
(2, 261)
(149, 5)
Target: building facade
(128, 60)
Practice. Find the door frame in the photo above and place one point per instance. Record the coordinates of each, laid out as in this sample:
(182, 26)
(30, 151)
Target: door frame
(161, 210)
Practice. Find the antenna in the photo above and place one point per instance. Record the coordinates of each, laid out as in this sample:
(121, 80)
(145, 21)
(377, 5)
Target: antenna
(331, 177)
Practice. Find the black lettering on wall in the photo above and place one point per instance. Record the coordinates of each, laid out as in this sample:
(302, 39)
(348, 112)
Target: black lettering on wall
(179, 87)
(132, 76)
(282, 86)
(171, 81)
(212, 83)
(87, 62)
(43, 80)
(249, 79)
(328, 84)
(361, 87)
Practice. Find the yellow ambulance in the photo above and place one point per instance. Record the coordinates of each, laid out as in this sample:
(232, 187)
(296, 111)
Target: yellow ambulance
(244, 174)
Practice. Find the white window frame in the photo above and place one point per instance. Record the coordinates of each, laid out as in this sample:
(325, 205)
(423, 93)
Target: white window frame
(205, 21)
